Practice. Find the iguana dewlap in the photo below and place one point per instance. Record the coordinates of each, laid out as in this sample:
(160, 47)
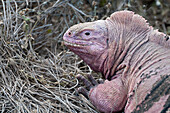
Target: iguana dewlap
(133, 58)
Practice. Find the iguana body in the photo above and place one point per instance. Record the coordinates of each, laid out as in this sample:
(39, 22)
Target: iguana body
(133, 58)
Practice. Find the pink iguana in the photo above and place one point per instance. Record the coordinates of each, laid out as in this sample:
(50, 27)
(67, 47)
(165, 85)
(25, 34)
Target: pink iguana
(133, 58)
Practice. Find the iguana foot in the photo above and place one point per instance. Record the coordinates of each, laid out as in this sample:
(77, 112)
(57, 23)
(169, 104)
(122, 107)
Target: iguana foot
(89, 83)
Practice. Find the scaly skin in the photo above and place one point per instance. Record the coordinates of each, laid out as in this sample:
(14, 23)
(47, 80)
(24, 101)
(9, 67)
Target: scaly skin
(133, 58)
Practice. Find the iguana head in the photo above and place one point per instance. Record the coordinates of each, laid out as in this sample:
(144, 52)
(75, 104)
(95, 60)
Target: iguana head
(89, 41)
(103, 44)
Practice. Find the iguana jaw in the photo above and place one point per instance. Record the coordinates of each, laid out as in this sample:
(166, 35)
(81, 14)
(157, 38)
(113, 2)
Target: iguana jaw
(84, 49)
(76, 43)
(71, 44)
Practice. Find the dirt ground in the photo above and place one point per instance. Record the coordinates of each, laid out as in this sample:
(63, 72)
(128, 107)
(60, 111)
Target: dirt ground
(37, 72)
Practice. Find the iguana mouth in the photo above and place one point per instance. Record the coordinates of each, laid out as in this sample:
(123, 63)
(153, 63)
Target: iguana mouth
(75, 45)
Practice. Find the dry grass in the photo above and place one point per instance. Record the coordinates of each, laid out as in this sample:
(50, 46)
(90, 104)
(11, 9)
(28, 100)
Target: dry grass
(37, 73)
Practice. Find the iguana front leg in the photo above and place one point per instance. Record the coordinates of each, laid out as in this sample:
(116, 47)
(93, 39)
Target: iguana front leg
(108, 97)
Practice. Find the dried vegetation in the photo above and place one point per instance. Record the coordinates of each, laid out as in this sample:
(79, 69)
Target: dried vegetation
(37, 73)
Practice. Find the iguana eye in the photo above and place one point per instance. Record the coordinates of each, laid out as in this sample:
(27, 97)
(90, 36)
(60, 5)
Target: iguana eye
(69, 33)
(107, 41)
(87, 33)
